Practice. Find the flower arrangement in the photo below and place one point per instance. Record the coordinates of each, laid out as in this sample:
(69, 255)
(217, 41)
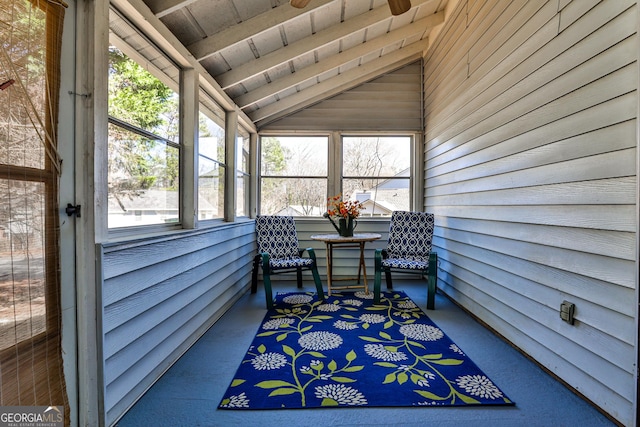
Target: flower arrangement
(338, 208)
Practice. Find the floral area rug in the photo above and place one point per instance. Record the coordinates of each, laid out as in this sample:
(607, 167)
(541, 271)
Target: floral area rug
(346, 351)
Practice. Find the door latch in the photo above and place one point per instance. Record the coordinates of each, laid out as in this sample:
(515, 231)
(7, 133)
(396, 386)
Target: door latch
(73, 210)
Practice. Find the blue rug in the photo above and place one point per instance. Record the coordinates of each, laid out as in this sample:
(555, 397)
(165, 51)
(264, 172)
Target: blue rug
(346, 351)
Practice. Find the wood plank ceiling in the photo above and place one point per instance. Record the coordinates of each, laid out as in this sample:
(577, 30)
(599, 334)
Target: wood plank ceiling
(273, 59)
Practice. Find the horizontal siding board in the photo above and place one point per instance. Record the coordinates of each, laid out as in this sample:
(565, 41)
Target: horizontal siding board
(614, 191)
(605, 116)
(126, 309)
(567, 283)
(601, 267)
(501, 32)
(125, 285)
(501, 112)
(587, 168)
(620, 245)
(613, 404)
(125, 257)
(538, 149)
(441, 55)
(128, 345)
(605, 217)
(574, 11)
(505, 42)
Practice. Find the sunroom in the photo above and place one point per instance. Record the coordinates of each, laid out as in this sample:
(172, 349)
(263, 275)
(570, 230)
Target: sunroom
(180, 121)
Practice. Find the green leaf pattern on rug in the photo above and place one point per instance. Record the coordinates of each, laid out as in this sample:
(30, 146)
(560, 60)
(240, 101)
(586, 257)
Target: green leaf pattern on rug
(296, 321)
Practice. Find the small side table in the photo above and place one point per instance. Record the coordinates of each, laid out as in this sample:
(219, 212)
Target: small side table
(358, 240)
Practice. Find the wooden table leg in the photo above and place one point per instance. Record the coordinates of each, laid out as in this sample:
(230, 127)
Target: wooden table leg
(364, 269)
(329, 266)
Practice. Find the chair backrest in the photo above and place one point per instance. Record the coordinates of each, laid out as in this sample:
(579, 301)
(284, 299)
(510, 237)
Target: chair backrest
(410, 235)
(277, 236)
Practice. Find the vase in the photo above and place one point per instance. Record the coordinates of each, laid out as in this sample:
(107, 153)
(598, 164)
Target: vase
(347, 225)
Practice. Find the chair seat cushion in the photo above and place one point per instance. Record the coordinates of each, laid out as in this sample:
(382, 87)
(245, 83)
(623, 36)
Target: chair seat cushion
(290, 263)
(407, 264)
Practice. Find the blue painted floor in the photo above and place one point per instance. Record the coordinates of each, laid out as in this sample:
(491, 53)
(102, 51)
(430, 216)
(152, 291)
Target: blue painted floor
(189, 393)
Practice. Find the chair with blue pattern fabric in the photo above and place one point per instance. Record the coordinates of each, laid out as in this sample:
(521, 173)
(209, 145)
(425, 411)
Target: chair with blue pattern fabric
(278, 252)
(408, 250)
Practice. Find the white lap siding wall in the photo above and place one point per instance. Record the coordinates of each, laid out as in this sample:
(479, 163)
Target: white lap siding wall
(530, 168)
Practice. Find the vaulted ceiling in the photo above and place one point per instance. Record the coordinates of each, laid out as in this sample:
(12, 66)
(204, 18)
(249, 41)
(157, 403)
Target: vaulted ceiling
(273, 59)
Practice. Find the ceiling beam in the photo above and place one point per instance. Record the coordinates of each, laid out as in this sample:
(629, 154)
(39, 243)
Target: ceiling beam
(417, 28)
(340, 83)
(204, 48)
(313, 42)
(164, 7)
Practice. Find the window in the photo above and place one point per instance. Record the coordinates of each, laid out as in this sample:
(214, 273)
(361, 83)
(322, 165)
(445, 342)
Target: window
(211, 162)
(373, 169)
(243, 174)
(144, 150)
(294, 175)
(376, 171)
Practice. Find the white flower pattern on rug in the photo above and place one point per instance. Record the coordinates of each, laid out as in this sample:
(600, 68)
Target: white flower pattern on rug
(421, 332)
(320, 341)
(269, 361)
(277, 323)
(479, 385)
(379, 351)
(340, 394)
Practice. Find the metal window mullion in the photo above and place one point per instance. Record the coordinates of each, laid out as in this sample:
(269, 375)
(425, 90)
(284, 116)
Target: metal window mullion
(295, 176)
(139, 131)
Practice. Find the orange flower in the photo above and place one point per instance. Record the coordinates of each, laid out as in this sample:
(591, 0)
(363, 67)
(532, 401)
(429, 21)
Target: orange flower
(336, 207)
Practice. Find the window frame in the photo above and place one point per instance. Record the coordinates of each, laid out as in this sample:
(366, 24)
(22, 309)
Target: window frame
(205, 102)
(335, 174)
(410, 179)
(243, 136)
(179, 89)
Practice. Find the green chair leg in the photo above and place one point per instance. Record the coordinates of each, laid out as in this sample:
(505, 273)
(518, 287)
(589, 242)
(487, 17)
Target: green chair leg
(266, 278)
(432, 280)
(299, 277)
(254, 274)
(377, 277)
(316, 278)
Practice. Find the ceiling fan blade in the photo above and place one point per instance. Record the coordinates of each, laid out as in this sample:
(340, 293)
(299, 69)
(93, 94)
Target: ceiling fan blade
(299, 3)
(398, 7)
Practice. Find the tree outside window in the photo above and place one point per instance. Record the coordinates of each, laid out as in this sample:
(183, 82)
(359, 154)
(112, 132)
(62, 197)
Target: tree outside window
(377, 172)
(143, 154)
(293, 175)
